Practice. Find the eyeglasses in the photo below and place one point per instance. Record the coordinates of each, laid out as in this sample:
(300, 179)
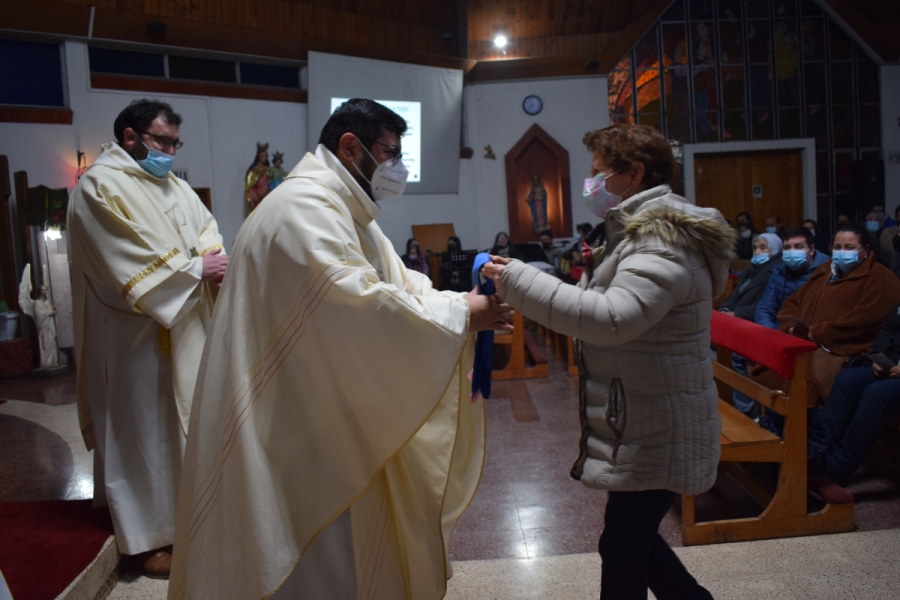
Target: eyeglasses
(396, 155)
(164, 142)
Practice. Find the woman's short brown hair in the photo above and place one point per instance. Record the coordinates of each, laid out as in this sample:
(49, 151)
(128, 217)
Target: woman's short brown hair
(620, 146)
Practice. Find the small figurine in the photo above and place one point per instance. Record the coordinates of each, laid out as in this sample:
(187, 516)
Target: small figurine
(256, 183)
(42, 311)
(276, 173)
(537, 202)
(489, 153)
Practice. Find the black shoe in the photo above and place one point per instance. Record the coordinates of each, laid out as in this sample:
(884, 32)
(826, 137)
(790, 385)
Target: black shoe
(820, 465)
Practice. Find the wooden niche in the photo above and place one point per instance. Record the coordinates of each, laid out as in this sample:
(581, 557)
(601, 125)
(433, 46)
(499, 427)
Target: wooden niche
(538, 155)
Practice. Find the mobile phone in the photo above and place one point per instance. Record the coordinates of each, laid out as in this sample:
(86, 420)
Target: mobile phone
(801, 329)
(882, 361)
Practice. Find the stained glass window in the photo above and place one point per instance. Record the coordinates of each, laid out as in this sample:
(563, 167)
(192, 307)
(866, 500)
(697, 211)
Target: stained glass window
(729, 70)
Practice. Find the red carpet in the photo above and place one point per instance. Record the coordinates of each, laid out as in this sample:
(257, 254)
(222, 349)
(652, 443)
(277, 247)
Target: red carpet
(45, 545)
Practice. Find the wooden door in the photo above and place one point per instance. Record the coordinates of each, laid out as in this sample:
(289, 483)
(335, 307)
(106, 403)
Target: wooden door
(726, 181)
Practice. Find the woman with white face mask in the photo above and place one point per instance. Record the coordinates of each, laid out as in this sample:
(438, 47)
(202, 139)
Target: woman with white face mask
(640, 313)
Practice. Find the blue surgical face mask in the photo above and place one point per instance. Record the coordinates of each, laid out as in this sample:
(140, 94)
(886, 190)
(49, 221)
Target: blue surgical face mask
(771, 230)
(873, 226)
(846, 260)
(157, 163)
(760, 259)
(794, 259)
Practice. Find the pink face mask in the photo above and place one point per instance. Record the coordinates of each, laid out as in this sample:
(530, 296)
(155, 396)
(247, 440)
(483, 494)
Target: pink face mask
(597, 198)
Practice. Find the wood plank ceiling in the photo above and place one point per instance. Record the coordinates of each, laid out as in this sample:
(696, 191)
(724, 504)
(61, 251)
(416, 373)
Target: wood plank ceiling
(535, 28)
(550, 37)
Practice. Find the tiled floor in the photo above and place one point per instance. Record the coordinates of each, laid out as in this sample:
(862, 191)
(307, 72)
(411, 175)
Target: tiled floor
(527, 505)
(851, 566)
(531, 531)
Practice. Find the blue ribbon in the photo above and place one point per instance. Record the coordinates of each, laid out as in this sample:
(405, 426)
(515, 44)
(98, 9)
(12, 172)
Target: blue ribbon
(484, 343)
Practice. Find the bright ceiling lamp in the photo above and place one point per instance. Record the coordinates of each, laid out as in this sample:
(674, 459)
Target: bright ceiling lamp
(500, 41)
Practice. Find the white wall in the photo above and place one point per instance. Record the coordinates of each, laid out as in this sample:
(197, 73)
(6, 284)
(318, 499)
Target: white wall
(236, 126)
(219, 135)
(572, 107)
(890, 133)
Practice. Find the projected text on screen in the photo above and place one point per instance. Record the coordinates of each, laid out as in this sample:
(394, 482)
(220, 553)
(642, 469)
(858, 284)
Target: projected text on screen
(412, 139)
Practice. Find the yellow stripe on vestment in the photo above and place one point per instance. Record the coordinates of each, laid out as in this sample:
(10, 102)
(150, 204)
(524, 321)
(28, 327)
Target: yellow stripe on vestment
(148, 271)
(211, 248)
(235, 425)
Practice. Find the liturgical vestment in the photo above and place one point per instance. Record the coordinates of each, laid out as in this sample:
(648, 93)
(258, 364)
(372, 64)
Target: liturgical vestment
(141, 310)
(334, 443)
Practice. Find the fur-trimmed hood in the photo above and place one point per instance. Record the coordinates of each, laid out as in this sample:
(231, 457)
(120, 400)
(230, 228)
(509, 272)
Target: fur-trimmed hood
(658, 212)
(661, 213)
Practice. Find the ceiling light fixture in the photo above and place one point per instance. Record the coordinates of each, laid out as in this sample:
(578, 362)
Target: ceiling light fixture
(500, 41)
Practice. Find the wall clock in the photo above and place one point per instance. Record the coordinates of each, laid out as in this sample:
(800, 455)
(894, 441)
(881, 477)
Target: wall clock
(532, 105)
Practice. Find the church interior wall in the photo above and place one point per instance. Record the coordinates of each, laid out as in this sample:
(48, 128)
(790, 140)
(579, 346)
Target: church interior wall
(220, 135)
(494, 116)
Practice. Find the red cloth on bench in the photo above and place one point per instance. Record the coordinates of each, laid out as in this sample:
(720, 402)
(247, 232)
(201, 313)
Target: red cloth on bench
(770, 348)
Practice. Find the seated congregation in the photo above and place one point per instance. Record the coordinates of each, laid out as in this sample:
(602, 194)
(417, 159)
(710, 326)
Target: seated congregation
(847, 306)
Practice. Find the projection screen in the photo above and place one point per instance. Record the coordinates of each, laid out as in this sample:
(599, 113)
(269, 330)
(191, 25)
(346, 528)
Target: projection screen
(434, 95)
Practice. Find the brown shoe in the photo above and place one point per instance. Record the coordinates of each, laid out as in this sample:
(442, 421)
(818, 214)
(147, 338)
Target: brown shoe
(154, 564)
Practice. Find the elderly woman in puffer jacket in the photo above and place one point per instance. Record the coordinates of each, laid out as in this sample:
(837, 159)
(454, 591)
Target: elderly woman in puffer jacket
(641, 317)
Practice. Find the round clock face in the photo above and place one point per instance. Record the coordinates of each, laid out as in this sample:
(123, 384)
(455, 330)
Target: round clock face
(533, 105)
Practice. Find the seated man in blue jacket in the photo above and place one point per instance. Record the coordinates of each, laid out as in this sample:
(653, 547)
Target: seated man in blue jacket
(799, 259)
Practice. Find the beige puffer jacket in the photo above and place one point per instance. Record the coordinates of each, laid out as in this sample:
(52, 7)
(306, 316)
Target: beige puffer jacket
(648, 400)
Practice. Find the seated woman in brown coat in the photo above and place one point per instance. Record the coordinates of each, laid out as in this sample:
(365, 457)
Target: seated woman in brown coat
(844, 304)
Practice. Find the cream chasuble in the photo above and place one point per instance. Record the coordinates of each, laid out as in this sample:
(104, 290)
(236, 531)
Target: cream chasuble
(332, 411)
(141, 311)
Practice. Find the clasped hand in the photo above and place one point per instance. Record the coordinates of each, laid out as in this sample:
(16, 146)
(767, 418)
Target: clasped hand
(214, 265)
(488, 312)
(893, 373)
(494, 269)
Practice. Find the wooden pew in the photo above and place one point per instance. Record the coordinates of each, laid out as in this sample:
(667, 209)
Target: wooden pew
(743, 441)
(517, 369)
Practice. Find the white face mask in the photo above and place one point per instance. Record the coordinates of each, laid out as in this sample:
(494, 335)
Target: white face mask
(597, 198)
(389, 178)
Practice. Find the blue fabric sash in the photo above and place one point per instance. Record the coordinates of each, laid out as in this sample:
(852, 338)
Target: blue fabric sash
(484, 343)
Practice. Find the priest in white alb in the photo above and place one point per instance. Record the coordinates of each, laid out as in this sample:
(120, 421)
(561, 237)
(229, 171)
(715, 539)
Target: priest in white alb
(334, 440)
(146, 264)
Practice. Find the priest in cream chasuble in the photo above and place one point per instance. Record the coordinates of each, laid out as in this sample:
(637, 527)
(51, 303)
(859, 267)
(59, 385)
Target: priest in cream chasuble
(138, 243)
(334, 441)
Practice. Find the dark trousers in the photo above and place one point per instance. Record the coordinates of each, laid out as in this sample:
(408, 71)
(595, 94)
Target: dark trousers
(635, 557)
(857, 409)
